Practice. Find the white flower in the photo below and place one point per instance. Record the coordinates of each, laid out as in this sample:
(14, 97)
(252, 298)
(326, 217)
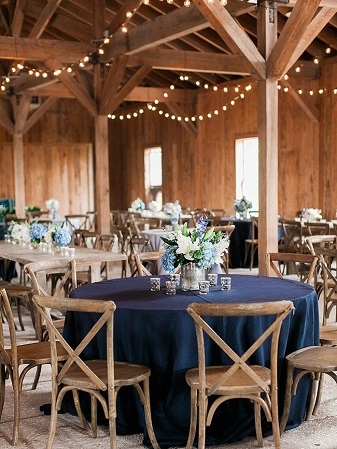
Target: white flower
(311, 214)
(138, 204)
(154, 206)
(186, 246)
(221, 248)
(52, 204)
(173, 209)
(20, 231)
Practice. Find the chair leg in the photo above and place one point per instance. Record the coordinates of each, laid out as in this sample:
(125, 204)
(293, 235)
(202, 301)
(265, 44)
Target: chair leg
(319, 394)
(2, 387)
(258, 427)
(193, 419)
(287, 399)
(16, 389)
(313, 394)
(147, 413)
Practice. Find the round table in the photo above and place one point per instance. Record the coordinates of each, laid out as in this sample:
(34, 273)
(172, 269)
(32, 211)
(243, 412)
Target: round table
(154, 329)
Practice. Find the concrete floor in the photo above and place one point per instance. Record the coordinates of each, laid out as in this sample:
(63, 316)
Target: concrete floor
(320, 432)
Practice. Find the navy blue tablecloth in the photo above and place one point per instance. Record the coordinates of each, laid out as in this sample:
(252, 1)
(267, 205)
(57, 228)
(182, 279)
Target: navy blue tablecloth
(154, 329)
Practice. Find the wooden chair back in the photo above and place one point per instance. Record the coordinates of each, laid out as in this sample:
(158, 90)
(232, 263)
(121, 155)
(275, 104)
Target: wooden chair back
(316, 228)
(292, 236)
(320, 241)
(305, 265)
(77, 221)
(146, 261)
(90, 239)
(238, 378)
(329, 291)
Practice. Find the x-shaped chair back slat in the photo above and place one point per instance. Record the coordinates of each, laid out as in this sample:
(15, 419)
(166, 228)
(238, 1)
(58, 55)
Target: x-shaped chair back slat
(279, 308)
(104, 308)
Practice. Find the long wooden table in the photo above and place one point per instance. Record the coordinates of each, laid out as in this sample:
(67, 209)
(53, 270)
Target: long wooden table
(24, 255)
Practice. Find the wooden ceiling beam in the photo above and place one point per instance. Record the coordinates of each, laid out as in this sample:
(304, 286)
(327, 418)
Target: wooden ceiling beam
(317, 24)
(44, 18)
(163, 29)
(112, 83)
(129, 85)
(40, 111)
(54, 90)
(120, 17)
(149, 94)
(192, 61)
(234, 36)
(18, 17)
(22, 112)
(19, 48)
(290, 37)
(74, 86)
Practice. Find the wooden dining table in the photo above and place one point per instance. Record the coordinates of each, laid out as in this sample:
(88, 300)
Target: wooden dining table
(154, 329)
(24, 254)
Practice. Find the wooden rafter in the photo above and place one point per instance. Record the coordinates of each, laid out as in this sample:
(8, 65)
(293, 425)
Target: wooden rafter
(190, 61)
(234, 36)
(163, 29)
(79, 92)
(36, 115)
(131, 84)
(148, 94)
(47, 13)
(120, 17)
(18, 17)
(112, 83)
(5, 117)
(290, 37)
(22, 112)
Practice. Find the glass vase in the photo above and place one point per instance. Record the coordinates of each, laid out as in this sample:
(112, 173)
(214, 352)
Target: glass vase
(191, 274)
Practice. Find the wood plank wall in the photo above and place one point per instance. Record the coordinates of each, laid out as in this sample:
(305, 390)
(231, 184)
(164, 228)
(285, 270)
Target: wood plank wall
(199, 171)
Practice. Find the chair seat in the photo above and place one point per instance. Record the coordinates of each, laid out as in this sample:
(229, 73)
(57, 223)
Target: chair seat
(239, 381)
(328, 335)
(124, 374)
(314, 359)
(31, 352)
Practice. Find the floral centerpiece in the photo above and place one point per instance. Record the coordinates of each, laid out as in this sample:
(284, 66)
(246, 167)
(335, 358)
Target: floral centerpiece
(194, 250)
(154, 206)
(58, 235)
(37, 231)
(242, 206)
(311, 214)
(19, 233)
(53, 206)
(138, 204)
(173, 210)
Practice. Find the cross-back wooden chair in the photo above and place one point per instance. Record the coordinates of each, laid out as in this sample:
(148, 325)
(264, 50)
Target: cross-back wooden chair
(147, 261)
(13, 357)
(106, 242)
(292, 240)
(90, 239)
(238, 378)
(305, 265)
(137, 245)
(20, 295)
(124, 235)
(226, 229)
(77, 221)
(251, 244)
(94, 377)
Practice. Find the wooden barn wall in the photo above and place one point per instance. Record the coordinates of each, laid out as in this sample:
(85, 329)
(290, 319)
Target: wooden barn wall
(197, 171)
(200, 172)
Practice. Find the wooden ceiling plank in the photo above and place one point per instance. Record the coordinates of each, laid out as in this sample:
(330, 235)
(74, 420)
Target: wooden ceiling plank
(58, 90)
(327, 3)
(47, 13)
(120, 17)
(290, 37)
(190, 61)
(19, 48)
(307, 106)
(321, 19)
(127, 88)
(5, 117)
(40, 111)
(177, 111)
(234, 36)
(112, 83)
(18, 17)
(163, 29)
(79, 92)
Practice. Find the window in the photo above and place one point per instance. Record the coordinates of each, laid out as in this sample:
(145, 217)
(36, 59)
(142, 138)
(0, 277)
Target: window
(247, 170)
(153, 174)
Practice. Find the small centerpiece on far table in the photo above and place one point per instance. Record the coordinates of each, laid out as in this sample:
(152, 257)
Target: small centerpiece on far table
(58, 235)
(311, 214)
(19, 233)
(242, 206)
(173, 210)
(154, 206)
(53, 206)
(138, 205)
(195, 250)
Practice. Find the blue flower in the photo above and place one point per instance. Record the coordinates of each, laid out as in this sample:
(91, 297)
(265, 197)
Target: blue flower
(201, 225)
(37, 231)
(209, 254)
(62, 237)
(169, 258)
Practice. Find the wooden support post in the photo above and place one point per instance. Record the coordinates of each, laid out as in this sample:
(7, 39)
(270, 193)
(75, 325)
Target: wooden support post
(19, 175)
(268, 142)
